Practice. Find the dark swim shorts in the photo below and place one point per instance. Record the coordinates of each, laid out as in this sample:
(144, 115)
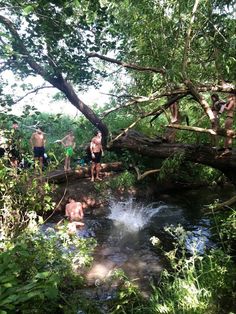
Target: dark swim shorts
(97, 157)
(39, 152)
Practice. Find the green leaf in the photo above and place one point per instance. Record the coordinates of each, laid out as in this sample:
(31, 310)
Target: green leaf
(43, 275)
(27, 10)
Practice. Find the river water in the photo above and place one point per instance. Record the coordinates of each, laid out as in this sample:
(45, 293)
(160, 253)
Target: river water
(124, 234)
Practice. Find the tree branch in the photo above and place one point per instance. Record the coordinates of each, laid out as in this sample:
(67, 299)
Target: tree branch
(187, 42)
(224, 88)
(146, 173)
(220, 132)
(31, 92)
(126, 65)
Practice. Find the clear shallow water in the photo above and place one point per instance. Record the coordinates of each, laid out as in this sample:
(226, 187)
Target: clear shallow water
(124, 237)
(124, 234)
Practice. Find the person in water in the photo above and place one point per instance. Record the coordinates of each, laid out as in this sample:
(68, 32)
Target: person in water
(74, 213)
(69, 143)
(96, 151)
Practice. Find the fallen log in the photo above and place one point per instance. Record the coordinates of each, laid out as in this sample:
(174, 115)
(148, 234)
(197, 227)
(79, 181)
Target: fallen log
(156, 148)
(59, 176)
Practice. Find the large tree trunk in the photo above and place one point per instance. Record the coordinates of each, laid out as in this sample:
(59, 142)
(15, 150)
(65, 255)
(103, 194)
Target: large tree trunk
(155, 147)
(68, 90)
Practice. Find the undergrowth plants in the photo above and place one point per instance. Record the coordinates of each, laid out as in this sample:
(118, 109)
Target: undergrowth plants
(38, 268)
(21, 198)
(197, 283)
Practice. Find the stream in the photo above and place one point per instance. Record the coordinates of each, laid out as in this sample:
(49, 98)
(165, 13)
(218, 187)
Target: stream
(124, 233)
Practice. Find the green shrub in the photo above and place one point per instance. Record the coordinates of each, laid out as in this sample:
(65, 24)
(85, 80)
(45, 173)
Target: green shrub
(123, 181)
(20, 199)
(38, 271)
(196, 284)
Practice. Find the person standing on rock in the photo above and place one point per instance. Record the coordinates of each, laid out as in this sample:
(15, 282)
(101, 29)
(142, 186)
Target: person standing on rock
(96, 151)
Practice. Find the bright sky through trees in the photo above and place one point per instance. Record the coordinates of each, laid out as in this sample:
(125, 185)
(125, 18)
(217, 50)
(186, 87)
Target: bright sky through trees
(43, 99)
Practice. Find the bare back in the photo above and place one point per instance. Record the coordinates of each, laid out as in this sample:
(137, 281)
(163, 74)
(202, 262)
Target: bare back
(74, 211)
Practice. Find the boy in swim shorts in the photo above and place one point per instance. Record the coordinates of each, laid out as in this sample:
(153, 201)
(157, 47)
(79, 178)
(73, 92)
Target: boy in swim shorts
(37, 141)
(69, 143)
(96, 154)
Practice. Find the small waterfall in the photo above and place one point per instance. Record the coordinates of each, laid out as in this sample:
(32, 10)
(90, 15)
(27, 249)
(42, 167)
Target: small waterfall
(132, 215)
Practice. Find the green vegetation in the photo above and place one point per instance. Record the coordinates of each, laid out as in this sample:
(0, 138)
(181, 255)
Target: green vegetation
(161, 50)
(196, 283)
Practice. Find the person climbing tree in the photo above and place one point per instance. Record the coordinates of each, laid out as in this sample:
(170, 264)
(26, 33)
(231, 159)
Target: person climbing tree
(216, 107)
(175, 118)
(230, 107)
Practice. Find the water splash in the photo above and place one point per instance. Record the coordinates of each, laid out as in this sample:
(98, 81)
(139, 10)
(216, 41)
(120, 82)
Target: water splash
(132, 215)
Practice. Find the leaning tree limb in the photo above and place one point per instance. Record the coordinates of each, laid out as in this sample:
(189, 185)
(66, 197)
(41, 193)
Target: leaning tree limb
(126, 65)
(185, 63)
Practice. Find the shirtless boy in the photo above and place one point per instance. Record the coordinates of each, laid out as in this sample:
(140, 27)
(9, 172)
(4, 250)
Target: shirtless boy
(37, 142)
(69, 143)
(96, 154)
(74, 212)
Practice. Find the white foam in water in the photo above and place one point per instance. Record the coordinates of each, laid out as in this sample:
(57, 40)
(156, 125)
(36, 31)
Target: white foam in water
(133, 215)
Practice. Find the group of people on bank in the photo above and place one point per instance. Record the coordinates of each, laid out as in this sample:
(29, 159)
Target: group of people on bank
(38, 141)
(10, 146)
(74, 209)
